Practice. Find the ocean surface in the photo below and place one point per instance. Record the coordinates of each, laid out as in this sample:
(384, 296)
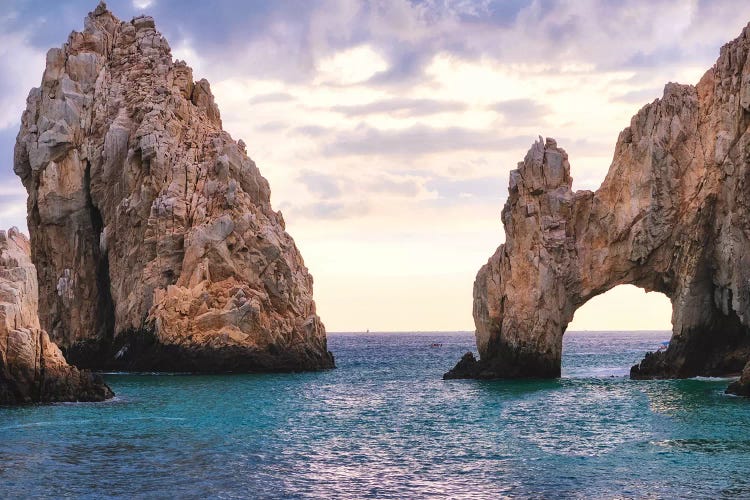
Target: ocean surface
(384, 425)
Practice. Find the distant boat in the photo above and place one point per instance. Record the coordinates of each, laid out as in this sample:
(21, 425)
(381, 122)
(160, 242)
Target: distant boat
(663, 346)
(436, 344)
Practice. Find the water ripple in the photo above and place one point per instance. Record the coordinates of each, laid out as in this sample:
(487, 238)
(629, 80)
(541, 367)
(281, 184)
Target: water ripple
(384, 425)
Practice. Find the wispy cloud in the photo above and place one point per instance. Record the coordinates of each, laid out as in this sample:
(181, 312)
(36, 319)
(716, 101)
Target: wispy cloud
(272, 97)
(641, 96)
(402, 107)
(16, 56)
(328, 210)
(522, 111)
(418, 140)
(322, 185)
(142, 4)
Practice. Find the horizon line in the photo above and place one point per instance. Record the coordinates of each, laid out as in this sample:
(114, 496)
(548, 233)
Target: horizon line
(471, 331)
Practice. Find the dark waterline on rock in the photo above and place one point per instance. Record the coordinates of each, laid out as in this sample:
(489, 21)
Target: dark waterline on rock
(384, 425)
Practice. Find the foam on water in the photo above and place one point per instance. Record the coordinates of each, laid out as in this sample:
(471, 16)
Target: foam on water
(384, 425)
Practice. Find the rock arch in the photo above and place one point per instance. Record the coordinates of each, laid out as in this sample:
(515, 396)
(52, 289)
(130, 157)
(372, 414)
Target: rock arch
(672, 215)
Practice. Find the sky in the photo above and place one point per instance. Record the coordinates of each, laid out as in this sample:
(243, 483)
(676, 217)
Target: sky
(387, 128)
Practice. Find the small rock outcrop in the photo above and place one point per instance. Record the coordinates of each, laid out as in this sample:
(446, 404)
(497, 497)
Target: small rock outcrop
(741, 387)
(672, 215)
(152, 231)
(32, 368)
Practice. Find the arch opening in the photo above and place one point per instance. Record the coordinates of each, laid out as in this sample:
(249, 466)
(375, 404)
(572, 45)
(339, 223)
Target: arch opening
(612, 331)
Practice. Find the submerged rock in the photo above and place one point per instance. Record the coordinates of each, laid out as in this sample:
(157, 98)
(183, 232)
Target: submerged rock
(152, 230)
(32, 368)
(672, 215)
(467, 367)
(741, 387)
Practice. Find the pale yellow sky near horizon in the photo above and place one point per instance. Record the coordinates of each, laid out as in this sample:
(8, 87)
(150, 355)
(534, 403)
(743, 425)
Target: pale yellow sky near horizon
(387, 133)
(421, 277)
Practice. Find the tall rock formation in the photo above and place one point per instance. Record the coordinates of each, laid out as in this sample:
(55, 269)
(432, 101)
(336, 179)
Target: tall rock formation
(153, 232)
(32, 368)
(672, 215)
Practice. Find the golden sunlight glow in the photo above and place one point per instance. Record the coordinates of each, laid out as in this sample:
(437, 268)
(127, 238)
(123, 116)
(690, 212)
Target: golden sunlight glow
(351, 66)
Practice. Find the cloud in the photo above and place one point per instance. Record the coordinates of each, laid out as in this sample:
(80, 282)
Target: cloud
(402, 107)
(522, 111)
(272, 126)
(142, 4)
(271, 97)
(12, 193)
(578, 148)
(12, 204)
(644, 59)
(418, 140)
(313, 131)
(408, 187)
(641, 96)
(7, 143)
(350, 66)
(322, 185)
(328, 210)
(404, 67)
(20, 69)
(494, 187)
(289, 40)
(359, 185)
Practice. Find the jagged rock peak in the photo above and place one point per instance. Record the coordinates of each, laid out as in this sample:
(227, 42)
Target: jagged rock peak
(100, 9)
(32, 368)
(672, 215)
(153, 232)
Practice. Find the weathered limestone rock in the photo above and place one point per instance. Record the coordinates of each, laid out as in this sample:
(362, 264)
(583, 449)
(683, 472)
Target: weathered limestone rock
(32, 368)
(153, 232)
(672, 215)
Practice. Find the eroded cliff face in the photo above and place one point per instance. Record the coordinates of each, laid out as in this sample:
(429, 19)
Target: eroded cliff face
(672, 216)
(32, 368)
(152, 230)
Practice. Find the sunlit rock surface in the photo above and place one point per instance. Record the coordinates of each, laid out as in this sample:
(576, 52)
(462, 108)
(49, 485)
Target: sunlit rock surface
(32, 368)
(672, 215)
(152, 230)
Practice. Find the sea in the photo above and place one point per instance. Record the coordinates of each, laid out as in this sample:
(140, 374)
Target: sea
(385, 425)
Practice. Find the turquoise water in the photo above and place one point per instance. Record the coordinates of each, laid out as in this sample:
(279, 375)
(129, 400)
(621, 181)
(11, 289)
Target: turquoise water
(384, 425)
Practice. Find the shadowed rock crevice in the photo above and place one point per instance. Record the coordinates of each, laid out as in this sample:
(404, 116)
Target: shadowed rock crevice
(105, 308)
(672, 215)
(153, 232)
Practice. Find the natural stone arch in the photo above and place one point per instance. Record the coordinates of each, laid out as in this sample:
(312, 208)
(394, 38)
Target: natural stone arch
(672, 216)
